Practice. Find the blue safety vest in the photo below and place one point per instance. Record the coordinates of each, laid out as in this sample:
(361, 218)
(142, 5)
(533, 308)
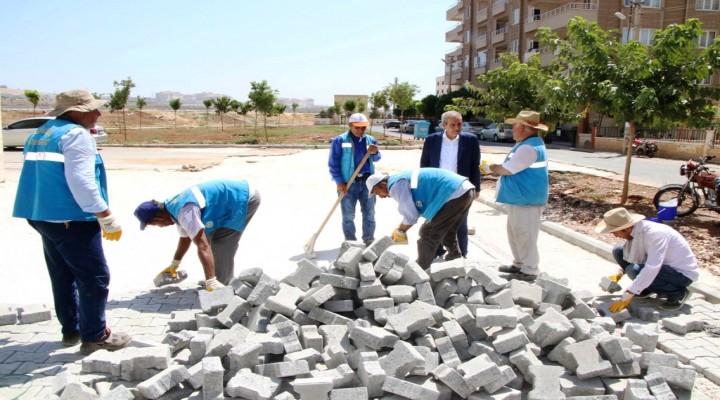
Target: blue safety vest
(223, 203)
(43, 193)
(430, 188)
(347, 159)
(529, 187)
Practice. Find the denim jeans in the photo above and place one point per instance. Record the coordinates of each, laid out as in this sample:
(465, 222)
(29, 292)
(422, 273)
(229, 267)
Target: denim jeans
(668, 281)
(79, 275)
(358, 192)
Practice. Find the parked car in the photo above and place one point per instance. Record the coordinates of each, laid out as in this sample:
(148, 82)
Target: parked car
(473, 127)
(16, 133)
(497, 132)
(392, 123)
(408, 126)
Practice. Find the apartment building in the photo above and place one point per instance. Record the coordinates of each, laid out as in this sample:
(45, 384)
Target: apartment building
(487, 28)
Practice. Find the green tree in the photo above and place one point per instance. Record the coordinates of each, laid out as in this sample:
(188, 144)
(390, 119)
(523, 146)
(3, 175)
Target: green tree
(235, 106)
(651, 85)
(207, 103)
(140, 103)
(378, 100)
(175, 104)
(119, 99)
(263, 97)
(349, 107)
(401, 94)
(427, 106)
(361, 106)
(244, 110)
(278, 110)
(337, 109)
(33, 96)
(222, 107)
(294, 108)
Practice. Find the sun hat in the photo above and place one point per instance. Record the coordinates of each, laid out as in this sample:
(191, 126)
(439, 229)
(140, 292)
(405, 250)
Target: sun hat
(373, 180)
(146, 211)
(358, 119)
(75, 100)
(617, 219)
(528, 118)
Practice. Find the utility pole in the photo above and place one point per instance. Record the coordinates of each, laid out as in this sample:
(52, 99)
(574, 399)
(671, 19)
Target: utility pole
(448, 65)
(635, 19)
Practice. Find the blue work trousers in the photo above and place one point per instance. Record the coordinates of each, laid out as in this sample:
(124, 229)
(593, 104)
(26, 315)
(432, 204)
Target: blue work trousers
(79, 275)
(358, 192)
(668, 281)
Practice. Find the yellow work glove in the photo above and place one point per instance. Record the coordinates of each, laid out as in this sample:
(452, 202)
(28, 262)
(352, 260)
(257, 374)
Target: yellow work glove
(616, 278)
(212, 284)
(399, 237)
(623, 303)
(172, 269)
(485, 167)
(110, 227)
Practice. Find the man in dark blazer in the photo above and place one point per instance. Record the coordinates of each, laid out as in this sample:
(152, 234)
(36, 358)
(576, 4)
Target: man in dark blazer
(458, 152)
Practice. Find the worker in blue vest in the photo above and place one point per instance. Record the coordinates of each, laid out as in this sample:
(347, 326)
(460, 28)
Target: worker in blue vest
(346, 152)
(63, 195)
(213, 215)
(440, 196)
(524, 186)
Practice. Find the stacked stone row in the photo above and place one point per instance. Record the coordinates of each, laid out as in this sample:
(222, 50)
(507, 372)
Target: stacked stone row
(374, 324)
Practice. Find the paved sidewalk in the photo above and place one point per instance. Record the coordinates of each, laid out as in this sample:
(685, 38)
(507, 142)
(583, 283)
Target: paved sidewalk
(296, 196)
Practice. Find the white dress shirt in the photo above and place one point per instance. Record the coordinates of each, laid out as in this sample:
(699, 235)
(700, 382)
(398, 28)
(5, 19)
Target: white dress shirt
(449, 153)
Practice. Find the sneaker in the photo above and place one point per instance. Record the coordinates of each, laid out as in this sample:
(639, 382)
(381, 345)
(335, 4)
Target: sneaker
(674, 303)
(70, 339)
(644, 294)
(510, 269)
(111, 341)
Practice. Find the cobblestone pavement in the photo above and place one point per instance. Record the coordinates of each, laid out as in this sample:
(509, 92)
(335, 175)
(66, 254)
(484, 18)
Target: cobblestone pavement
(31, 354)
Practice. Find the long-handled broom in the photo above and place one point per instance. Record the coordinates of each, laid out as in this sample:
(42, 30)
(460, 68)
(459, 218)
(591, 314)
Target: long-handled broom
(310, 245)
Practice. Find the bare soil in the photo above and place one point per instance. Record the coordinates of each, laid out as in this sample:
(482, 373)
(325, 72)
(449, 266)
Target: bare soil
(578, 201)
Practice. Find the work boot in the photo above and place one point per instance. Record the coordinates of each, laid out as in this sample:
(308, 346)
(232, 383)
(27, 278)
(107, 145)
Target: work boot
(674, 303)
(510, 269)
(70, 339)
(110, 342)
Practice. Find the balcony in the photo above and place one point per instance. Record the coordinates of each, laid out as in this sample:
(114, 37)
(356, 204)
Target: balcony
(455, 13)
(499, 35)
(499, 7)
(481, 41)
(494, 63)
(454, 34)
(482, 15)
(558, 17)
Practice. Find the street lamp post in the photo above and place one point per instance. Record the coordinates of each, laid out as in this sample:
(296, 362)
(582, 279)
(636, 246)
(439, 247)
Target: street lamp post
(448, 63)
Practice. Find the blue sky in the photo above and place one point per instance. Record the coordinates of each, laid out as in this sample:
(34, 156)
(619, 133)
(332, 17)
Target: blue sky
(302, 48)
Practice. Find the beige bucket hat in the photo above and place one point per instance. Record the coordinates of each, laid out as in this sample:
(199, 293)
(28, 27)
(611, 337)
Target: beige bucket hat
(617, 219)
(75, 100)
(528, 118)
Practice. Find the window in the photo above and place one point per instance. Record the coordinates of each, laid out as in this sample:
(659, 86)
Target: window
(647, 36)
(707, 5)
(514, 45)
(645, 3)
(533, 45)
(516, 16)
(481, 59)
(467, 37)
(706, 81)
(706, 38)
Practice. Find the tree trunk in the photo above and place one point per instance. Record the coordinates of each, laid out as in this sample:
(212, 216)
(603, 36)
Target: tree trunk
(628, 160)
(124, 125)
(265, 126)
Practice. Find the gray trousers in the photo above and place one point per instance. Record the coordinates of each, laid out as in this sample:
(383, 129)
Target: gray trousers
(523, 228)
(442, 229)
(224, 243)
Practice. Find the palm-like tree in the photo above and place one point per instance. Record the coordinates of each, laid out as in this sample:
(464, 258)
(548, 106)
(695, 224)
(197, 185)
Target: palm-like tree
(175, 105)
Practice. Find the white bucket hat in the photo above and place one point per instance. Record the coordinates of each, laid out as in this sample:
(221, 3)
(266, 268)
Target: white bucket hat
(75, 100)
(617, 219)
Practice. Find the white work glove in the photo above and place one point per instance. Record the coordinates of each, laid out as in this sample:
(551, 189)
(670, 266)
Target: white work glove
(212, 284)
(485, 167)
(110, 227)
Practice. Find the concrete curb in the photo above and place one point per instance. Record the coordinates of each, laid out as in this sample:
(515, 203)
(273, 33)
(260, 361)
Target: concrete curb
(251, 146)
(597, 247)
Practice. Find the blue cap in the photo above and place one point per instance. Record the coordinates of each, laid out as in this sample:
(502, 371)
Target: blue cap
(146, 211)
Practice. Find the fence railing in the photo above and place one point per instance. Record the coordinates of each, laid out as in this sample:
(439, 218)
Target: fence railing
(675, 135)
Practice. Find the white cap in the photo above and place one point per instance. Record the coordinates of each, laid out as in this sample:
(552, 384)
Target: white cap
(373, 180)
(358, 119)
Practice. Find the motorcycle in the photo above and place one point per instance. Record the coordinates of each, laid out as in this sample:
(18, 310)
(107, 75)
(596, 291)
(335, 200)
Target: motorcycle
(702, 189)
(644, 147)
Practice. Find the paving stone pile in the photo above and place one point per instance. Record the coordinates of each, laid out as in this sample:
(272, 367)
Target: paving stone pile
(374, 324)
